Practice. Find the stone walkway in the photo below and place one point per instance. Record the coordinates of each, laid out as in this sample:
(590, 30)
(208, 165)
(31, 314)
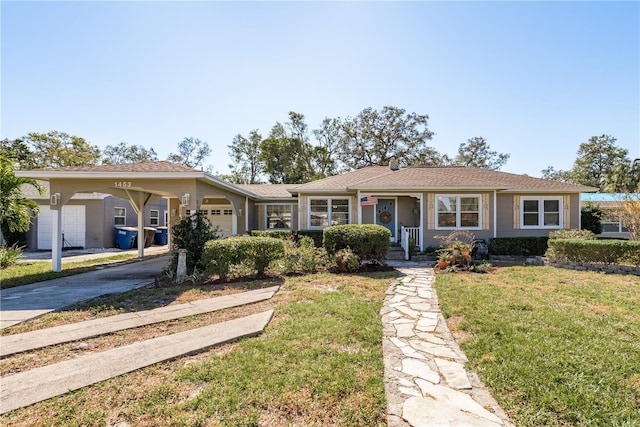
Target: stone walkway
(425, 379)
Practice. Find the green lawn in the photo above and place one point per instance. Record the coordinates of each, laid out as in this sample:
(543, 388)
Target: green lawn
(554, 346)
(26, 272)
(318, 363)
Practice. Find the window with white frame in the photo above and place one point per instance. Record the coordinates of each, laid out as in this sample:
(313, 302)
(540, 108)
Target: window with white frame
(154, 217)
(458, 211)
(326, 212)
(541, 212)
(278, 216)
(120, 216)
(611, 222)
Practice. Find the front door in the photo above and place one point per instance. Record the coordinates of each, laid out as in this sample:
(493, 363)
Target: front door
(386, 215)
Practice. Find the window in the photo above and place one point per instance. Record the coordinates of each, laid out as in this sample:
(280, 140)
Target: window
(154, 217)
(325, 212)
(541, 212)
(278, 216)
(611, 222)
(227, 211)
(120, 216)
(458, 211)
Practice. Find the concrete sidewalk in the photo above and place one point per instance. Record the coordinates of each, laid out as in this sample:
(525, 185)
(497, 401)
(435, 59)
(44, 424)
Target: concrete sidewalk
(16, 343)
(22, 303)
(26, 388)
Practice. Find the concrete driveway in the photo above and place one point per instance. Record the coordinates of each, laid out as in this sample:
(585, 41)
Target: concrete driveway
(26, 302)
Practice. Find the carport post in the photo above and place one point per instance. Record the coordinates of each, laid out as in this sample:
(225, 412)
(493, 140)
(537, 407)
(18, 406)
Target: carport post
(56, 239)
(141, 236)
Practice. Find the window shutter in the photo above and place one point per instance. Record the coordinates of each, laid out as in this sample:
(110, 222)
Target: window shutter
(516, 212)
(566, 217)
(431, 211)
(485, 211)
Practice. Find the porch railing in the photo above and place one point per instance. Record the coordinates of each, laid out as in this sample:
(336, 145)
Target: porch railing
(409, 234)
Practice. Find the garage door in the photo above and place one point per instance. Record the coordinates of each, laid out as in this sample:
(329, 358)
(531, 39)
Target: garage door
(73, 226)
(222, 216)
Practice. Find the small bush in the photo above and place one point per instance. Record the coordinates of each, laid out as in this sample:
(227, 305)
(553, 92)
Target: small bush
(254, 252)
(307, 254)
(367, 241)
(9, 255)
(518, 246)
(595, 251)
(192, 233)
(346, 261)
(316, 235)
(572, 234)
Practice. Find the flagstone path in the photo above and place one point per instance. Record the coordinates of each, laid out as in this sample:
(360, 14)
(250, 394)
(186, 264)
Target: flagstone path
(425, 379)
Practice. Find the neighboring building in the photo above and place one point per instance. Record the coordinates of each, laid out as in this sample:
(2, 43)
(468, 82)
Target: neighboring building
(609, 203)
(421, 202)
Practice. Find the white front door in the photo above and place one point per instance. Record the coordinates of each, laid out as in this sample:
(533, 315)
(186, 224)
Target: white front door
(74, 226)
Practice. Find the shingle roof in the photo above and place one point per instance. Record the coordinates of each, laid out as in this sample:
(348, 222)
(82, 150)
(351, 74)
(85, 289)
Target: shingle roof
(446, 177)
(272, 191)
(160, 166)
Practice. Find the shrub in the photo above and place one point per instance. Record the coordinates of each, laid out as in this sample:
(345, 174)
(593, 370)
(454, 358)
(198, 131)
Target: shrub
(278, 234)
(591, 218)
(316, 235)
(518, 246)
(307, 254)
(192, 233)
(572, 234)
(9, 255)
(595, 251)
(346, 261)
(255, 252)
(367, 241)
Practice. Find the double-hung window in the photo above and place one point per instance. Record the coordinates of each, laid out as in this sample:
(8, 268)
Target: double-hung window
(458, 211)
(120, 216)
(154, 217)
(541, 212)
(326, 212)
(278, 217)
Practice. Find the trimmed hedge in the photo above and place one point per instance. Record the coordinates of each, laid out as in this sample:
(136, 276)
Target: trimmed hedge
(316, 235)
(278, 234)
(518, 246)
(595, 251)
(368, 241)
(258, 252)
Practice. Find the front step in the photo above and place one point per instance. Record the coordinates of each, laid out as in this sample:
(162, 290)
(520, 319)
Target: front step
(396, 253)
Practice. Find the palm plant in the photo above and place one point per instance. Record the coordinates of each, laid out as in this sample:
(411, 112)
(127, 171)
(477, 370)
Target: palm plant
(15, 208)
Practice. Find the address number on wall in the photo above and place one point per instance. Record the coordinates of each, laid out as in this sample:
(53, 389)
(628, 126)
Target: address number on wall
(122, 184)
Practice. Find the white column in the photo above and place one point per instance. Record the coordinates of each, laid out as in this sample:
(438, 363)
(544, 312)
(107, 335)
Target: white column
(56, 239)
(422, 205)
(141, 236)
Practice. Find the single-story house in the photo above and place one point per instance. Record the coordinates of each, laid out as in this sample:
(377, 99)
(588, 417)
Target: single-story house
(417, 202)
(610, 204)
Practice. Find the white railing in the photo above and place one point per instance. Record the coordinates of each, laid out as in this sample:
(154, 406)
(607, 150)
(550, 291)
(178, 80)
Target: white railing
(407, 234)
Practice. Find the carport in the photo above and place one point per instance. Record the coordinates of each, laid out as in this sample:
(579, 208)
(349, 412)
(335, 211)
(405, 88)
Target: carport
(140, 183)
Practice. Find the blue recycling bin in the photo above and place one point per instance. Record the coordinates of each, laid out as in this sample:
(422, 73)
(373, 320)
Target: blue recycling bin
(162, 236)
(124, 237)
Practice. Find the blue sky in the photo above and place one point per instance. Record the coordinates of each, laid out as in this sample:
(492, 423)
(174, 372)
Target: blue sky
(535, 79)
